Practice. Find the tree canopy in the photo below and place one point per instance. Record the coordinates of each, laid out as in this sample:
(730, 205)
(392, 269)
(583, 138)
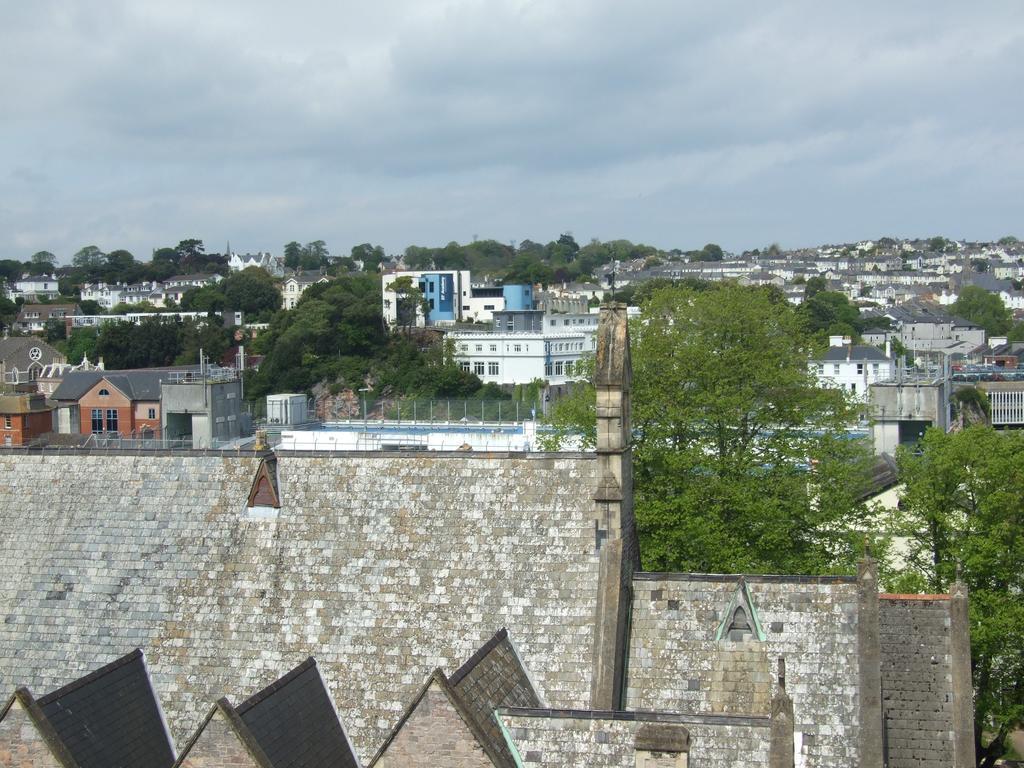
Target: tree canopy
(962, 510)
(986, 309)
(741, 462)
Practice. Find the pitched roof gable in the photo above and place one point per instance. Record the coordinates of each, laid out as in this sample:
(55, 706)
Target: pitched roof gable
(494, 677)
(295, 723)
(111, 717)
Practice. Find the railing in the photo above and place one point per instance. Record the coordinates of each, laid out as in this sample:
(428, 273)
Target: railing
(426, 411)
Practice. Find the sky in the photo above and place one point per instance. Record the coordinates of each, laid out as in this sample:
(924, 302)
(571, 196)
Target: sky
(139, 123)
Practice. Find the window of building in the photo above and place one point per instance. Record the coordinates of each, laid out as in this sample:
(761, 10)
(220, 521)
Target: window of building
(860, 368)
(7, 422)
(494, 347)
(821, 368)
(510, 325)
(97, 421)
(478, 368)
(111, 420)
(517, 347)
(104, 392)
(835, 369)
(465, 307)
(874, 368)
(547, 369)
(489, 306)
(479, 347)
(464, 365)
(558, 368)
(152, 413)
(568, 367)
(492, 369)
(853, 387)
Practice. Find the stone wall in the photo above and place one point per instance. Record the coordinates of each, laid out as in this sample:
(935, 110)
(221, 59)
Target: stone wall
(382, 566)
(218, 746)
(435, 734)
(917, 680)
(677, 665)
(546, 739)
(21, 745)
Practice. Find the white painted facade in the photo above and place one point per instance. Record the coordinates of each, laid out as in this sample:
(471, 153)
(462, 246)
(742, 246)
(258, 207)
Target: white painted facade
(852, 367)
(519, 358)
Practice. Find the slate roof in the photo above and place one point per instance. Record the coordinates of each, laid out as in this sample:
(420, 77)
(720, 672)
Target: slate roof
(494, 677)
(14, 352)
(111, 718)
(143, 384)
(295, 723)
(854, 352)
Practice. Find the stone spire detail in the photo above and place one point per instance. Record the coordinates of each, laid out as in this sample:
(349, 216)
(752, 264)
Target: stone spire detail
(614, 530)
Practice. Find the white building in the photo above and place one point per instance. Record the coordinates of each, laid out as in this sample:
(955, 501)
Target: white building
(520, 357)
(34, 288)
(294, 286)
(274, 265)
(175, 287)
(852, 367)
(451, 297)
(105, 295)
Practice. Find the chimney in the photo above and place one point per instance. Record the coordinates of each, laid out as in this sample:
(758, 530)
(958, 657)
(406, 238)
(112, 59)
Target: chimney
(888, 348)
(835, 341)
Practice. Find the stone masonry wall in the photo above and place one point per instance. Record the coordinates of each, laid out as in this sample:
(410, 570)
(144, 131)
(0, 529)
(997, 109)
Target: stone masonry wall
(382, 566)
(558, 741)
(916, 681)
(434, 735)
(218, 747)
(676, 665)
(21, 746)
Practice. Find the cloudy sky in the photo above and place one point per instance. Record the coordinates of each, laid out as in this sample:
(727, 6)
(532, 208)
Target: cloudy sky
(136, 124)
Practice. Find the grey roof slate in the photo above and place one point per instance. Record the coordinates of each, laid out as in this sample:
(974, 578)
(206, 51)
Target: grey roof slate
(494, 678)
(294, 722)
(854, 352)
(14, 352)
(111, 718)
(143, 384)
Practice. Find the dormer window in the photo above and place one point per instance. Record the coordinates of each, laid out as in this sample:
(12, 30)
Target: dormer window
(104, 392)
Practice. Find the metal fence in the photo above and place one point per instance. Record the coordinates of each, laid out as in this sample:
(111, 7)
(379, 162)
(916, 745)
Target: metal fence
(426, 411)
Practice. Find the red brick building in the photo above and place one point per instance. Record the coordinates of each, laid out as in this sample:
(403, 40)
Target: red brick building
(114, 402)
(24, 417)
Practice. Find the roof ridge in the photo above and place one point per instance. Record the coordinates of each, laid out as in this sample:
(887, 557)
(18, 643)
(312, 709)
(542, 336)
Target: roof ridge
(81, 682)
(265, 693)
(477, 657)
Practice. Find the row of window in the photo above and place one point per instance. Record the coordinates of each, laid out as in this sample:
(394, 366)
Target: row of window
(562, 346)
(860, 368)
(559, 368)
(478, 367)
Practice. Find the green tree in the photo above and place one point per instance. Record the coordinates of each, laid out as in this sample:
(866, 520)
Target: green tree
(986, 309)
(815, 285)
(741, 462)
(8, 313)
(828, 313)
(80, 344)
(410, 303)
(252, 291)
(206, 298)
(292, 255)
(712, 252)
(42, 262)
(961, 508)
(314, 255)
(189, 253)
(90, 259)
(55, 330)
(372, 256)
(153, 342)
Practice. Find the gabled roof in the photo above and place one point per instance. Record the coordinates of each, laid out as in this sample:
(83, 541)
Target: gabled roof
(14, 352)
(111, 717)
(494, 677)
(143, 384)
(295, 724)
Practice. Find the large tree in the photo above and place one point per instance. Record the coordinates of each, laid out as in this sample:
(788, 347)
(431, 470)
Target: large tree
(252, 291)
(986, 309)
(962, 509)
(741, 462)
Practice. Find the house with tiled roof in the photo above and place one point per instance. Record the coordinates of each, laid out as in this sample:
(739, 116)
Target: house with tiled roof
(851, 367)
(296, 284)
(32, 318)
